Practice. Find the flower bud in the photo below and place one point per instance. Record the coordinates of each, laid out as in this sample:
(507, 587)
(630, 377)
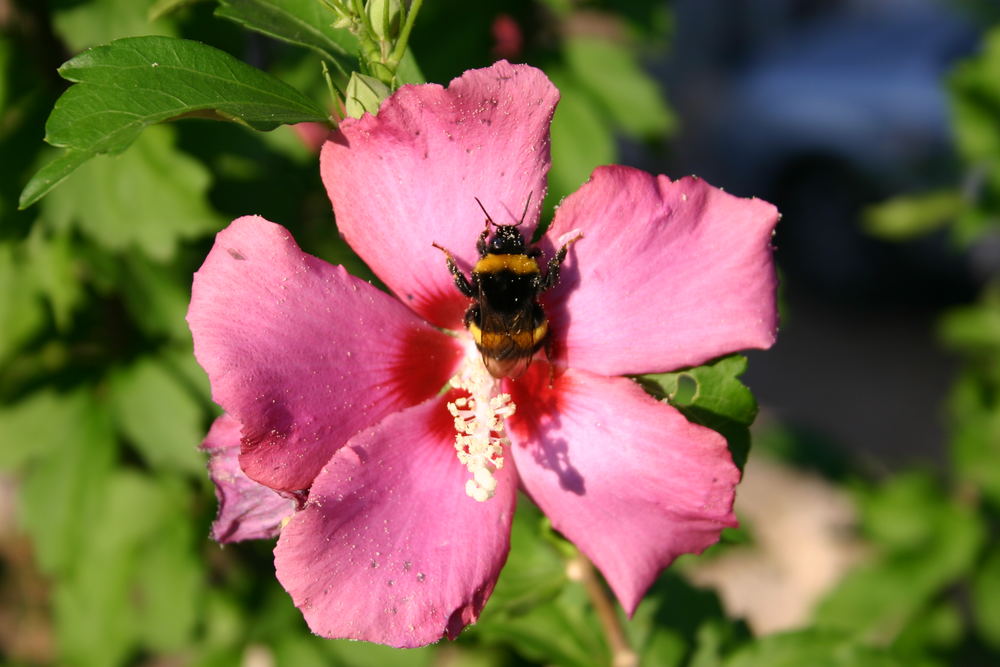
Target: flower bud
(385, 16)
(364, 93)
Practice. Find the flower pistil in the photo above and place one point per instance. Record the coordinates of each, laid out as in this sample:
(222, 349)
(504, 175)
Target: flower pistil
(479, 424)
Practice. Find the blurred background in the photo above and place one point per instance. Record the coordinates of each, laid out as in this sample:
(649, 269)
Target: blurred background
(871, 496)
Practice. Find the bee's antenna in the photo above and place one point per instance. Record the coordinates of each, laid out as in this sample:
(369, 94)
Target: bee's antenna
(524, 213)
(489, 220)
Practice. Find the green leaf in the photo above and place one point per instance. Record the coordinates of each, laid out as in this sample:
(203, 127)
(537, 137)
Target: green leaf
(363, 654)
(164, 7)
(534, 609)
(22, 313)
(975, 442)
(305, 23)
(928, 544)
(678, 623)
(815, 648)
(39, 424)
(717, 389)
(160, 416)
(63, 491)
(54, 264)
(581, 140)
(986, 598)
(157, 296)
(975, 327)
(563, 631)
(81, 25)
(611, 74)
(95, 603)
(129, 84)
(51, 174)
(150, 198)
(909, 216)
(181, 362)
(937, 628)
(535, 573)
(408, 71)
(169, 578)
(713, 396)
(976, 102)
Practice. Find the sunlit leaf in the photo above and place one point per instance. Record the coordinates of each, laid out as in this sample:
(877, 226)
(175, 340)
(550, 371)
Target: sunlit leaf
(712, 395)
(986, 598)
(611, 74)
(131, 83)
(21, 310)
(169, 578)
(581, 140)
(909, 216)
(94, 601)
(160, 416)
(40, 424)
(811, 647)
(151, 197)
(927, 544)
(84, 24)
(64, 491)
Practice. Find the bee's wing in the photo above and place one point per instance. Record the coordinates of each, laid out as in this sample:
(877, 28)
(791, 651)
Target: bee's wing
(507, 342)
(511, 367)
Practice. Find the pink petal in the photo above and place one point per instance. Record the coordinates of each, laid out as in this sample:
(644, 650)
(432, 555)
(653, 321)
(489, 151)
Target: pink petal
(247, 510)
(408, 177)
(302, 354)
(389, 549)
(625, 477)
(667, 274)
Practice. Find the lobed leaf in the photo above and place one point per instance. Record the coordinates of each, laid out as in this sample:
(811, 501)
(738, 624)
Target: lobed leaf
(713, 396)
(131, 83)
(150, 198)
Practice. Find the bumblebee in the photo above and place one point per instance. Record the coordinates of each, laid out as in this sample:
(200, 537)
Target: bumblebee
(505, 319)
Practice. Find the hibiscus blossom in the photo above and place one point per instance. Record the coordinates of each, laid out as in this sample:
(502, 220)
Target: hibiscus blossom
(333, 389)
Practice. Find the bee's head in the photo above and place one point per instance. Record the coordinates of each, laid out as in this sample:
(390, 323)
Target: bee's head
(506, 240)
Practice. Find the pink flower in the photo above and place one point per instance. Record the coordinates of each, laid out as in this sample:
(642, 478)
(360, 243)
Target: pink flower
(337, 386)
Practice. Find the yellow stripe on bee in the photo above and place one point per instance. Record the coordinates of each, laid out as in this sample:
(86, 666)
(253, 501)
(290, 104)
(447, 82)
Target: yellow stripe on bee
(523, 339)
(517, 263)
(539, 333)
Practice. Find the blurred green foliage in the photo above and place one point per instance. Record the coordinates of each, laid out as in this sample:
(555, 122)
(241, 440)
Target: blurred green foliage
(939, 538)
(102, 405)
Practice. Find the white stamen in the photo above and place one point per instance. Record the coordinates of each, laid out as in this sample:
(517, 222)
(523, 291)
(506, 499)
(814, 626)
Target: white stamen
(479, 422)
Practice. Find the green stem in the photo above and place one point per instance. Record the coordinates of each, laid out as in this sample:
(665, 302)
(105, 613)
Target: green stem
(404, 35)
(583, 571)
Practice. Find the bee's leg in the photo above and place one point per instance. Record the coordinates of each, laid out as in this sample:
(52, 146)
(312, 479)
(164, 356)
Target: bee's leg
(552, 271)
(463, 284)
(481, 243)
(472, 315)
